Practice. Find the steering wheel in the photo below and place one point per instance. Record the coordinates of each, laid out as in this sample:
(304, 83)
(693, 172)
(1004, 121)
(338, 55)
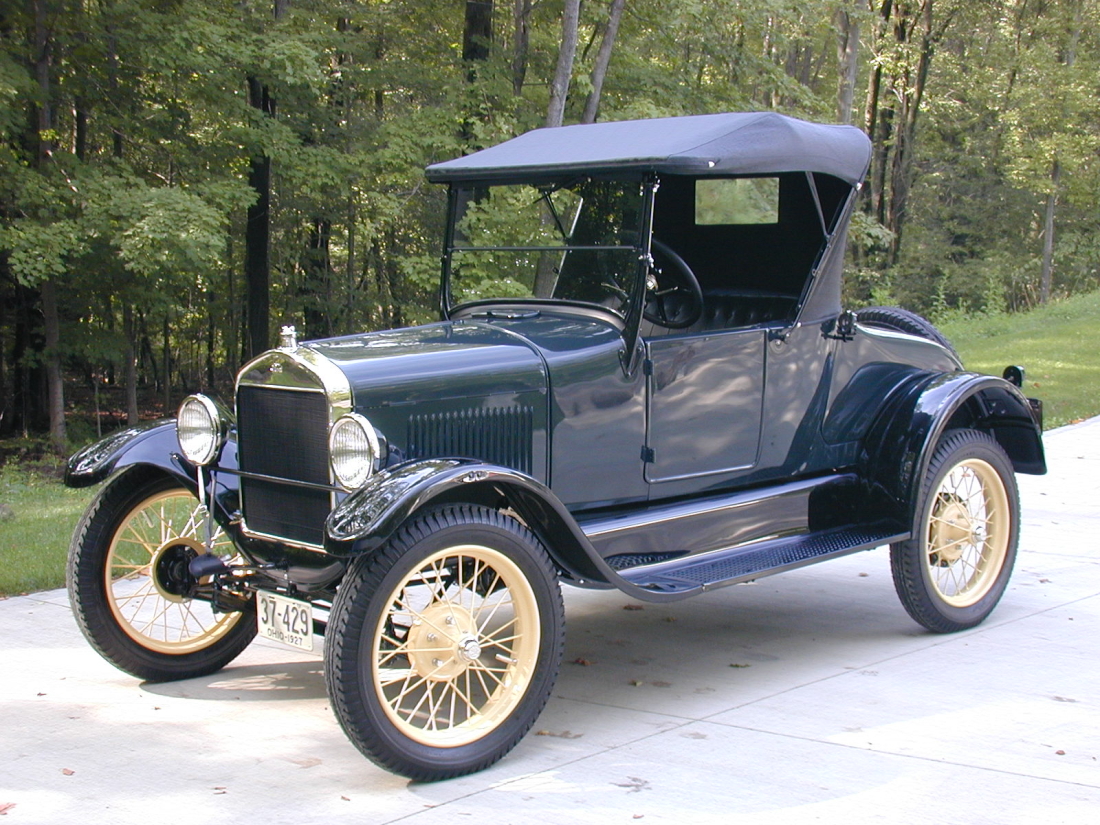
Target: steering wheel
(673, 296)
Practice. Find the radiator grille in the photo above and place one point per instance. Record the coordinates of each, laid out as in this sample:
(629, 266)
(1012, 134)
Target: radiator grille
(284, 433)
(499, 436)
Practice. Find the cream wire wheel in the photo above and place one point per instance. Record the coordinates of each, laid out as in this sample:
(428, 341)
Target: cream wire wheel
(953, 571)
(443, 645)
(455, 650)
(147, 581)
(129, 584)
(968, 532)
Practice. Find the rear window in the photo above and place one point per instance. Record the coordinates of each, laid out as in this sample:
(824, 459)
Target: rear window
(736, 201)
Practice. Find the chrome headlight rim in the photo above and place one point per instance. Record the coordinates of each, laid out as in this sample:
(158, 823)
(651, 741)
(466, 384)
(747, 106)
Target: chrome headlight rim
(352, 466)
(201, 428)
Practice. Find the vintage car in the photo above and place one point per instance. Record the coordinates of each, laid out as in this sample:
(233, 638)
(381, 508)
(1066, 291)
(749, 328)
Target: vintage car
(642, 379)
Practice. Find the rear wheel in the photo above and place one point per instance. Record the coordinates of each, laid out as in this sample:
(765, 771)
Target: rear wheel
(131, 591)
(952, 572)
(443, 646)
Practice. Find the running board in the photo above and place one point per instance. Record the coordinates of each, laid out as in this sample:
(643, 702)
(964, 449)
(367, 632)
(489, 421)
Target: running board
(695, 574)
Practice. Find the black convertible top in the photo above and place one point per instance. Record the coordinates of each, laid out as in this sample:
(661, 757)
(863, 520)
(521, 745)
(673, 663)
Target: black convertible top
(733, 143)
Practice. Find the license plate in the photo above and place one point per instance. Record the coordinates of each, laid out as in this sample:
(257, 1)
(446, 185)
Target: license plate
(284, 620)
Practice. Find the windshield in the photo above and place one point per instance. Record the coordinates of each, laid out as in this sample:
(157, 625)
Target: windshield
(576, 242)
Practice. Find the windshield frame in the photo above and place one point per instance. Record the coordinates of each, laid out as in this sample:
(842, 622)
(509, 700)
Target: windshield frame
(627, 318)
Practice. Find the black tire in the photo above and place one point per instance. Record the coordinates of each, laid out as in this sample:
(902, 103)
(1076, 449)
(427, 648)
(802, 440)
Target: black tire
(902, 320)
(421, 681)
(129, 588)
(953, 571)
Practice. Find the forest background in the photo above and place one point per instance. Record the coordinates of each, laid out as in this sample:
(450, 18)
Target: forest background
(180, 177)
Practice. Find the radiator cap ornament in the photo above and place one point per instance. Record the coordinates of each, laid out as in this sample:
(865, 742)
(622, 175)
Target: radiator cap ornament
(288, 337)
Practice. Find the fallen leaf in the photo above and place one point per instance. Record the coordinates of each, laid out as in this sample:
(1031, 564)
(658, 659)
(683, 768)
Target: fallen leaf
(41, 694)
(5, 807)
(580, 660)
(738, 665)
(346, 799)
(864, 575)
(1044, 581)
(565, 734)
(1060, 753)
(68, 771)
(637, 682)
(633, 607)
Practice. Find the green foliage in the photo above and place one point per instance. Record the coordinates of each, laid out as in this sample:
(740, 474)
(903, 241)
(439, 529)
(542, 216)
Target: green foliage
(136, 209)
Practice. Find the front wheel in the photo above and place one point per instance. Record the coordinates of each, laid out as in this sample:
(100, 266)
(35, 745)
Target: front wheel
(443, 646)
(131, 592)
(952, 572)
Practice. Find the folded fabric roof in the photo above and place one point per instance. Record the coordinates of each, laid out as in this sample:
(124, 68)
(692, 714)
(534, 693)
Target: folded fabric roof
(733, 143)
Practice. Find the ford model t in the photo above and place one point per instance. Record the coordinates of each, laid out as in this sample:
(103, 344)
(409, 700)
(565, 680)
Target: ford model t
(643, 379)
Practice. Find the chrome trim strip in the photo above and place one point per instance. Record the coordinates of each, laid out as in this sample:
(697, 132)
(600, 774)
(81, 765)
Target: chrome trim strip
(280, 539)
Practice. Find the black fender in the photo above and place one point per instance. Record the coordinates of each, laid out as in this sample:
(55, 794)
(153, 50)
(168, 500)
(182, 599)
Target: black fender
(364, 520)
(154, 444)
(900, 443)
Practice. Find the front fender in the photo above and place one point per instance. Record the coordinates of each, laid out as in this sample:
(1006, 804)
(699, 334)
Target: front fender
(153, 443)
(364, 520)
(900, 443)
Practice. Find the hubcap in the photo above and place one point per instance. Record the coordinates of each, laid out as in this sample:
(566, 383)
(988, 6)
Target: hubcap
(456, 646)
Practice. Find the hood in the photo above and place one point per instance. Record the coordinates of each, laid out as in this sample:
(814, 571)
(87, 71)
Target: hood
(448, 360)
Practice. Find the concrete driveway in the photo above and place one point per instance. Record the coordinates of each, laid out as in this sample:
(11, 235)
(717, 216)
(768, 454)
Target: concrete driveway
(806, 697)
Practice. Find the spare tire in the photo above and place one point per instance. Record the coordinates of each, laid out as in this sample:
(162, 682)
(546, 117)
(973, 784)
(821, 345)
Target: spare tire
(897, 319)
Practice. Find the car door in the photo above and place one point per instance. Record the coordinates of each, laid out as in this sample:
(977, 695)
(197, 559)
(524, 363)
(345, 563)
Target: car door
(704, 403)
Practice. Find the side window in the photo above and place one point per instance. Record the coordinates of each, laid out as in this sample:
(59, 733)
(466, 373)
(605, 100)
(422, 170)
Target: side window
(736, 201)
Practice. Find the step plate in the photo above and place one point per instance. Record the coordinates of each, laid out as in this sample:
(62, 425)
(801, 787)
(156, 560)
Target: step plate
(754, 561)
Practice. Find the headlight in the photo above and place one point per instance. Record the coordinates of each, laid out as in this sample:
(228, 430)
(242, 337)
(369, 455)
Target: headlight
(353, 450)
(201, 428)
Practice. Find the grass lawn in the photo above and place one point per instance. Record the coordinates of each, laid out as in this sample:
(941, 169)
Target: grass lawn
(1056, 344)
(35, 533)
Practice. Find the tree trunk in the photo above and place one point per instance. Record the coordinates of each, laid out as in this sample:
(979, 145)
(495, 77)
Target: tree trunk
(44, 140)
(603, 59)
(559, 86)
(1046, 276)
(129, 329)
(477, 43)
(257, 268)
(521, 36)
(477, 34)
(257, 235)
(847, 58)
(54, 384)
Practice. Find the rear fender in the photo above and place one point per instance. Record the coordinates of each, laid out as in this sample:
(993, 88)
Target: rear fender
(899, 445)
(364, 520)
